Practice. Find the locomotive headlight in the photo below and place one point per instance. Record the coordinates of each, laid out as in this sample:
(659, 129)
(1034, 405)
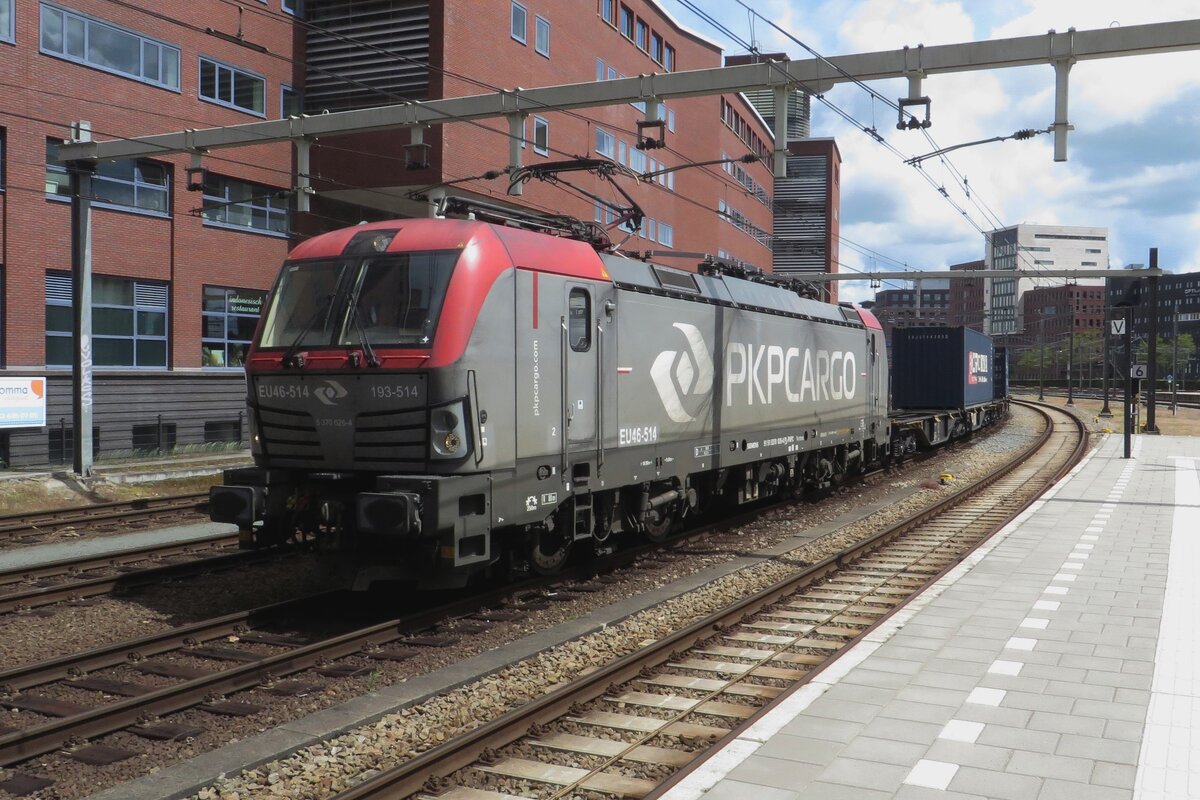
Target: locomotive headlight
(448, 434)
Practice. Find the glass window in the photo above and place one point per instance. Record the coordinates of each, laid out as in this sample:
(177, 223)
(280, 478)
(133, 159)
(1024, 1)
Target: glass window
(541, 39)
(293, 7)
(626, 21)
(386, 300)
(231, 203)
(669, 58)
(290, 103)
(232, 87)
(643, 32)
(608, 11)
(656, 47)
(605, 143)
(228, 319)
(541, 136)
(666, 235)
(88, 41)
(579, 331)
(6, 20)
(519, 16)
(599, 69)
(129, 322)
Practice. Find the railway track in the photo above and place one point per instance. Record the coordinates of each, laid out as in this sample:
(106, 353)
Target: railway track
(18, 526)
(629, 729)
(197, 666)
(75, 580)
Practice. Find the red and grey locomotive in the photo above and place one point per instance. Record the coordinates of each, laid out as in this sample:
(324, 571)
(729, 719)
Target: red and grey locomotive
(441, 396)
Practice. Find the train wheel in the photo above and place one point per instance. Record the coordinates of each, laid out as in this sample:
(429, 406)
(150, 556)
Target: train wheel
(658, 522)
(548, 551)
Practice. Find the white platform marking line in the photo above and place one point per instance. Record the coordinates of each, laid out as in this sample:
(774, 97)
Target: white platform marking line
(1056, 589)
(1002, 667)
(1176, 683)
(1046, 605)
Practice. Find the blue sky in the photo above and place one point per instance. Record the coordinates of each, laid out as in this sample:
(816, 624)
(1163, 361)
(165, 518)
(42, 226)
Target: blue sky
(1133, 159)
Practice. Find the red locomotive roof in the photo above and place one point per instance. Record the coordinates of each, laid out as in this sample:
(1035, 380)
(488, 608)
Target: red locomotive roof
(868, 318)
(528, 249)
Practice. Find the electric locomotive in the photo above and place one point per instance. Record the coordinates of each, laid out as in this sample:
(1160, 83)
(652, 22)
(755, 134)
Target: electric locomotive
(444, 397)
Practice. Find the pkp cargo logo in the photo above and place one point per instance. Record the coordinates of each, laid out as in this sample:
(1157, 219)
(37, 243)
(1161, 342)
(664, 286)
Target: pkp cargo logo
(330, 393)
(683, 373)
(979, 368)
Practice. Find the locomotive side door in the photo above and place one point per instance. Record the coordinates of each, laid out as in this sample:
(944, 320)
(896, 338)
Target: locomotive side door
(580, 350)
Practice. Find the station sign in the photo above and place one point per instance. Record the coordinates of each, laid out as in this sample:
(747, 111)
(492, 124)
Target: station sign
(1137, 371)
(22, 402)
(1118, 326)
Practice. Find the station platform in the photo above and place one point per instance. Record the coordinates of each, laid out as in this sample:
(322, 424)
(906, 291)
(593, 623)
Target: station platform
(1059, 660)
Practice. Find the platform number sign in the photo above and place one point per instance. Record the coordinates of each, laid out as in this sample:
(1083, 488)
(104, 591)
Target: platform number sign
(1118, 327)
(1137, 371)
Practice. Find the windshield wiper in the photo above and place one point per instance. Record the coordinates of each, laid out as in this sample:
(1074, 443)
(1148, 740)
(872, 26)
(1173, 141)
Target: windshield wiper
(290, 358)
(368, 350)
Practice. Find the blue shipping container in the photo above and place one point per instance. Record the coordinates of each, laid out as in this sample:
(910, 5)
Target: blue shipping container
(939, 367)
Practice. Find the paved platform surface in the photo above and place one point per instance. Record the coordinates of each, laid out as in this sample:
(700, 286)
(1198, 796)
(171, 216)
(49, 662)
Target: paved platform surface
(1061, 660)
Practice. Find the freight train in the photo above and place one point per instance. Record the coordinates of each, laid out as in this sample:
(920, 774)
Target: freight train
(444, 398)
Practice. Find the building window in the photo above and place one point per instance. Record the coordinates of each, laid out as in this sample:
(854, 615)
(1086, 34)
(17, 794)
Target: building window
(666, 235)
(130, 185)
(626, 21)
(606, 143)
(74, 37)
(218, 431)
(228, 319)
(155, 437)
(656, 47)
(519, 17)
(669, 58)
(1087, 263)
(129, 322)
(230, 203)
(599, 69)
(293, 7)
(608, 11)
(232, 87)
(290, 103)
(6, 20)
(643, 34)
(541, 36)
(2, 134)
(541, 136)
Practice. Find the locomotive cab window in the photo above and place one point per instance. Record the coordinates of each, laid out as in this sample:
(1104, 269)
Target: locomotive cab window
(579, 311)
(393, 299)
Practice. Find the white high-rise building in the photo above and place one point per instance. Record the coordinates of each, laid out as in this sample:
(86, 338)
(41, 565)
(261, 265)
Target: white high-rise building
(1033, 247)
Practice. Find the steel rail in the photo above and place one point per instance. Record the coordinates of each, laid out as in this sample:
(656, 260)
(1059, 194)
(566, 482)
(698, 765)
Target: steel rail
(109, 584)
(410, 777)
(13, 525)
(72, 566)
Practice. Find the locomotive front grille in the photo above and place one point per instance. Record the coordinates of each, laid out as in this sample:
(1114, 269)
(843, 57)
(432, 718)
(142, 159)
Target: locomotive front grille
(289, 438)
(391, 439)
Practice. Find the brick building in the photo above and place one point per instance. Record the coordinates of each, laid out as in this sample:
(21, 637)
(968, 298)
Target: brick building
(966, 298)
(181, 275)
(1051, 311)
(910, 308)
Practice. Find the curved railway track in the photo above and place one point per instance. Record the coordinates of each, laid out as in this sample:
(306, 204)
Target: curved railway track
(628, 729)
(18, 526)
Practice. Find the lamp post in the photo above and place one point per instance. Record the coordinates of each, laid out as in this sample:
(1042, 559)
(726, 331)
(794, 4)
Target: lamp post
(1041, 358)
(1071, 346)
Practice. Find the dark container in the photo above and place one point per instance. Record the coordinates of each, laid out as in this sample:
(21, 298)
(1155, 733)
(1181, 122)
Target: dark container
(941, 368)
(1000, 374)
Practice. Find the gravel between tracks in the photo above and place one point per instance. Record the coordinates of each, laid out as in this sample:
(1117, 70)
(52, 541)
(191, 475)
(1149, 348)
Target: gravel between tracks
(323, 769)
